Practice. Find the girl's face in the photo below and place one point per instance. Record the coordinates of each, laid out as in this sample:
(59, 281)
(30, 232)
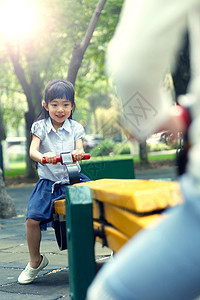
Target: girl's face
(59, 110)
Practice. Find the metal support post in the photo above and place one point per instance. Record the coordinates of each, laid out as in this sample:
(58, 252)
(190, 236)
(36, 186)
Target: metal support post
(80, 239)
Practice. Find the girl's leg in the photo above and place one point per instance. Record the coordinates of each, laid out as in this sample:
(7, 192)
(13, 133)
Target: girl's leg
(33, 234)
(37, 262)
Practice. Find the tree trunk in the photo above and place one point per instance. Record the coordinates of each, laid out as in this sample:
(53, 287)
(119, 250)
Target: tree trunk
(2, 138)
(96, 128)
(77, 57)
(79, 49)
(2, 129)
(7, 208)
(143, 154)
(30, 170)
(182, 74)
(30, 115)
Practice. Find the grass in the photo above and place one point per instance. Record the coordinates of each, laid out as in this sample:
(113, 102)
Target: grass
(135, 158)
(19, 168)
(161, 157)
(16, 169)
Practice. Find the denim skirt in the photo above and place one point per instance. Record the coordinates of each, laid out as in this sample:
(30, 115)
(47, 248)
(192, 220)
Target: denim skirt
(41, 202)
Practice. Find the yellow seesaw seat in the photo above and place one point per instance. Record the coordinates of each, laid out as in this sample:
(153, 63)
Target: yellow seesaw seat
(122, 207)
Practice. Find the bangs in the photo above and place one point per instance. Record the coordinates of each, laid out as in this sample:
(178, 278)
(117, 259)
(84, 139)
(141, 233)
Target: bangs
(60, 91)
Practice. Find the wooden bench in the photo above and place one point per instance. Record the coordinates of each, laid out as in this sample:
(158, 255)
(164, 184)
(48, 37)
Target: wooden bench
(112, 210)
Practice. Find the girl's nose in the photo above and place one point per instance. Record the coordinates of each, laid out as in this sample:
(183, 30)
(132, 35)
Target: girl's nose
(60, 108)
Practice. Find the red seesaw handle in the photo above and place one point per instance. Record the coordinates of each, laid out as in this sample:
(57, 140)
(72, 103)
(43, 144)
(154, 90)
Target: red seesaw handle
(85, 156)
(59, 158)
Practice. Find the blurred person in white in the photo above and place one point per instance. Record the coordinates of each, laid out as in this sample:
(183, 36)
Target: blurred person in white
(161, 262)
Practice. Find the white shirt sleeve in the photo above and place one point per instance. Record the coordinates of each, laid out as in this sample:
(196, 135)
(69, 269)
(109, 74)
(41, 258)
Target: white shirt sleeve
(78, 130)
(38, 129)
(147, 38)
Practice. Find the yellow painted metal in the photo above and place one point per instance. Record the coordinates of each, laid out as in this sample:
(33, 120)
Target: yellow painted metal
(115, 239)
(59, 207)
(125, 221)
(118, 201)
(96, 209)
(134, 194)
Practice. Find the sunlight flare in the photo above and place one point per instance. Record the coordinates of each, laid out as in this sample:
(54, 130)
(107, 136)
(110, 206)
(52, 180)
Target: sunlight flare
(18, 19)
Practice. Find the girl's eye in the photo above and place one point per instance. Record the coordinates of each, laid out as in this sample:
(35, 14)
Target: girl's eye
(66, 104)
(54, 105)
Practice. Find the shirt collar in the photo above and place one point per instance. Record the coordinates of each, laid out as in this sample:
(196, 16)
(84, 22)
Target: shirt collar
(66, 126)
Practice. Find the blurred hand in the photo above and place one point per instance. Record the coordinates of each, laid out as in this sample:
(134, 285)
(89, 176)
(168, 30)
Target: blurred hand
(78, 154)
(50, 157)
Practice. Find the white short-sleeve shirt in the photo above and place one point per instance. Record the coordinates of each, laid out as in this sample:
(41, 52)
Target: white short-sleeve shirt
(51, 141)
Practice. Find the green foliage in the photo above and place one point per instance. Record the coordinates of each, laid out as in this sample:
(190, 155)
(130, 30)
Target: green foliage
(16, 158)
(15, 172)
(108, 147)
(158, 147)
(13, 108)
(104, 148)
(48, 54)
(105, 122)
(122, 148)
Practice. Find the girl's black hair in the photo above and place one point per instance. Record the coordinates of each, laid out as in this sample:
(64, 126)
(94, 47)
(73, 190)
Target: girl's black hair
(57, 89)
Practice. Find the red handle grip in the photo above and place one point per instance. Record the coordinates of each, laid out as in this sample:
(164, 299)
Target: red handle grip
(59, 158)
(85, 156)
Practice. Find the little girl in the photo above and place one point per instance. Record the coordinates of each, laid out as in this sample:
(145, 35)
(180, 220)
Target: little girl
(53, 132)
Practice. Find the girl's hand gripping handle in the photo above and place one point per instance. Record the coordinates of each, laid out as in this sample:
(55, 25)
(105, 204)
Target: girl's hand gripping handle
(61, 159)
(58, 159)
(85, 156)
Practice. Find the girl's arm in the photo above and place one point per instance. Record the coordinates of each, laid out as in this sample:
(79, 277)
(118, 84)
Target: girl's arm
(79, 151)
(35, 153)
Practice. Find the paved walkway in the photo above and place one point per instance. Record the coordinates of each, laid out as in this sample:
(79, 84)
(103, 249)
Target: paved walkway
(162, 173)
(52, 283)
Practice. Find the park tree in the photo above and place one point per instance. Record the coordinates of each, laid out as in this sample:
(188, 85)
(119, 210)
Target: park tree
(2, 138)
(68, 25)
(7, 208)
(38, 58)
(182, 73)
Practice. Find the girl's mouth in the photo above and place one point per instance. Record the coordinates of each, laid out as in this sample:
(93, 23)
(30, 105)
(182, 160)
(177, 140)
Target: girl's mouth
(60, 117)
